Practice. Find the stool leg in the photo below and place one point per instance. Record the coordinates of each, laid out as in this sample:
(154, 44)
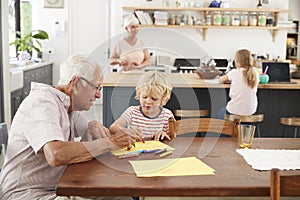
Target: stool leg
(282, 134)
(295, 132)
(258, 131)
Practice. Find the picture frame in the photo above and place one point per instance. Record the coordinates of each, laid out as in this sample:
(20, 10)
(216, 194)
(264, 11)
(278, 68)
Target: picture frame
(53, 3)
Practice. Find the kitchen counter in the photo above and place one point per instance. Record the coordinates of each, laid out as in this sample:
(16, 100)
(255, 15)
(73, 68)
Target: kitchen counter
(21, 78)
(30, 66)
(191, 92)
(129, 79)
(17, 74)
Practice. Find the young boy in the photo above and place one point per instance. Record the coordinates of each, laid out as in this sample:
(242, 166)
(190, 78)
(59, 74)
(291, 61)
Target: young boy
(149, 118)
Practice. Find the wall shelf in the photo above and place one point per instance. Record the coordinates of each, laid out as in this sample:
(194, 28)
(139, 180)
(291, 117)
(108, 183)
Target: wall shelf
(273, 29)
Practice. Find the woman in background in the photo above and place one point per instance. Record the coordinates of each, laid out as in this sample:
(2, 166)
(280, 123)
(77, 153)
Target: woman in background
(129, 53)
(244, 82)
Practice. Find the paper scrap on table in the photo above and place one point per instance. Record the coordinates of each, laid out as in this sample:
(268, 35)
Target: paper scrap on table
(148, 145)
(266, 159)
(190, 166)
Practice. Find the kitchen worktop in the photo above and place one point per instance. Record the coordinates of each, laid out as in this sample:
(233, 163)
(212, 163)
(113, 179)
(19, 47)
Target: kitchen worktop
(29, 66)
(183, 81)
(17, 75)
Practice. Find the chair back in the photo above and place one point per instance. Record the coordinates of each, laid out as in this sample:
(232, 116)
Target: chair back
(192, 125)
(283, 185)
(248, 118)
(3, 138)
(190, 113)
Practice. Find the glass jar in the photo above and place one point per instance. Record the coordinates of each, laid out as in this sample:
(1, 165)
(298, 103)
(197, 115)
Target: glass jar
(217, 18)
(270, 19)
(262, 19)
(252, 19)
(226, 19)
(235, 19)
(172, 20)
(208, 20)
(190, 21)
(244, 19)
(178, 19)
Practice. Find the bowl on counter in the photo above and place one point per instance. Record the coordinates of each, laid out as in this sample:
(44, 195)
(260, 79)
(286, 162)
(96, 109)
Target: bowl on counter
(208, 72)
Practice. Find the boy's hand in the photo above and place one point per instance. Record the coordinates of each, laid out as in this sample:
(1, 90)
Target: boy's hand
(161, 135)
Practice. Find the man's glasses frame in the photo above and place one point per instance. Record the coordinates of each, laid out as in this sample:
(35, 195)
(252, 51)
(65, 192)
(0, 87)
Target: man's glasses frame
(98, 89)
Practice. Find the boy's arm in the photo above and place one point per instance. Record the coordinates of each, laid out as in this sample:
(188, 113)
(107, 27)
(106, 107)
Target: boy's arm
(118, 125)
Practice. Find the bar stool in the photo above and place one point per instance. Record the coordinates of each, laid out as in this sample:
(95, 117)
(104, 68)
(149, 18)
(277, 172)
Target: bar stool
(290, 121)
(255, 119)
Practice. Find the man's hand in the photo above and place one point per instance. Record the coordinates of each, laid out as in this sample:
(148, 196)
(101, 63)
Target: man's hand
(96, 130)
(125, 137)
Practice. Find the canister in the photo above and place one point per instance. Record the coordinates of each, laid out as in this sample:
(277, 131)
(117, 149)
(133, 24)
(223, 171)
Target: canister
(270, 19)
(235, 19)
(253, 19)
(244, 19)
(226, 19)
(262, 19)
(178, 19)
(208, 20)
(217, 18)
(172, 20)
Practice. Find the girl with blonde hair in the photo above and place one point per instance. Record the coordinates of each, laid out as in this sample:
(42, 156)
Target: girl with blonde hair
(244, 82)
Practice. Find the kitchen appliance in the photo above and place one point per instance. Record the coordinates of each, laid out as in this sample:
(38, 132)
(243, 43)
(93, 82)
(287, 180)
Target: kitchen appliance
(186, 65)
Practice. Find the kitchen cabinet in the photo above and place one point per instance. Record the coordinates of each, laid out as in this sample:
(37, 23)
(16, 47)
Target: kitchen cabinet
(192, 93)
(205, 11)
(41, 74)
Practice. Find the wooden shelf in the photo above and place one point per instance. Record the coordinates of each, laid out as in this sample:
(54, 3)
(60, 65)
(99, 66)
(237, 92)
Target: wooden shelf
(273, 29)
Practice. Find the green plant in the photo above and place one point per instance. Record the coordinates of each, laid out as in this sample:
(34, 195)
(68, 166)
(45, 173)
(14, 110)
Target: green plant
(30, 41)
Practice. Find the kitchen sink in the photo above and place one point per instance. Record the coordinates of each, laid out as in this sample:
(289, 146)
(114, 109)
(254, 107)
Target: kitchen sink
(16, 79)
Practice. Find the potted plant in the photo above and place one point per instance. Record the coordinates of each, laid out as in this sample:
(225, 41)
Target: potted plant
(296, 73)
(29, 42)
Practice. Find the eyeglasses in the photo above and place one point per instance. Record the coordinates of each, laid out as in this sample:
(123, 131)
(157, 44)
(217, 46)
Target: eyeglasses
(98, 89)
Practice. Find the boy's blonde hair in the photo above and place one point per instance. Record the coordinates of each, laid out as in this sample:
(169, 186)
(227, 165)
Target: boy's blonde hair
(155, 84)
(244, 59)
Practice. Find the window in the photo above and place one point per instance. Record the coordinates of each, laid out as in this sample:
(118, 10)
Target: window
(20, 19)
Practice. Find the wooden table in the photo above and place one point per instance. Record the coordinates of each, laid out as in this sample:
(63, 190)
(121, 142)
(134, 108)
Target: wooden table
(109, 176)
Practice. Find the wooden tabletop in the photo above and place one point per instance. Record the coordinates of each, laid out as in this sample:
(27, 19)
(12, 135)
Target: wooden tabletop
(109, 176)
(129, 79)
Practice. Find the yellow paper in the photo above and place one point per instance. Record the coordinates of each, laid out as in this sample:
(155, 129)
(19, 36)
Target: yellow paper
(148, 145)
(190, 166)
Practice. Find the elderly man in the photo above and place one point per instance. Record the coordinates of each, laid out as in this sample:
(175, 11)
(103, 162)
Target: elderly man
(41, 140)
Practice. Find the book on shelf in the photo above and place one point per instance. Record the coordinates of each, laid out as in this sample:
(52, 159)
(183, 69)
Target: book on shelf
(144, 17)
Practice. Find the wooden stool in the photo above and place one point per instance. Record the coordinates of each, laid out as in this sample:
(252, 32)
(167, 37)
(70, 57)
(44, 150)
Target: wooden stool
(248, 119)
(290, 121)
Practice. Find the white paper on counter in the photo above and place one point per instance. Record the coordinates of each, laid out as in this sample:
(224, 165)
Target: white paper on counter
(266, 159)
(212, 81)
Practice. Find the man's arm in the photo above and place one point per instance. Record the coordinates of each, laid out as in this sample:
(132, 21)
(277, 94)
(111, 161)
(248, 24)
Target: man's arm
(59, 153)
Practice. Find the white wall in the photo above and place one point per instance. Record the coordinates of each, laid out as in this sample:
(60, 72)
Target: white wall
(219, 42)
(294, 6)
(45, 20)
(222, 42)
